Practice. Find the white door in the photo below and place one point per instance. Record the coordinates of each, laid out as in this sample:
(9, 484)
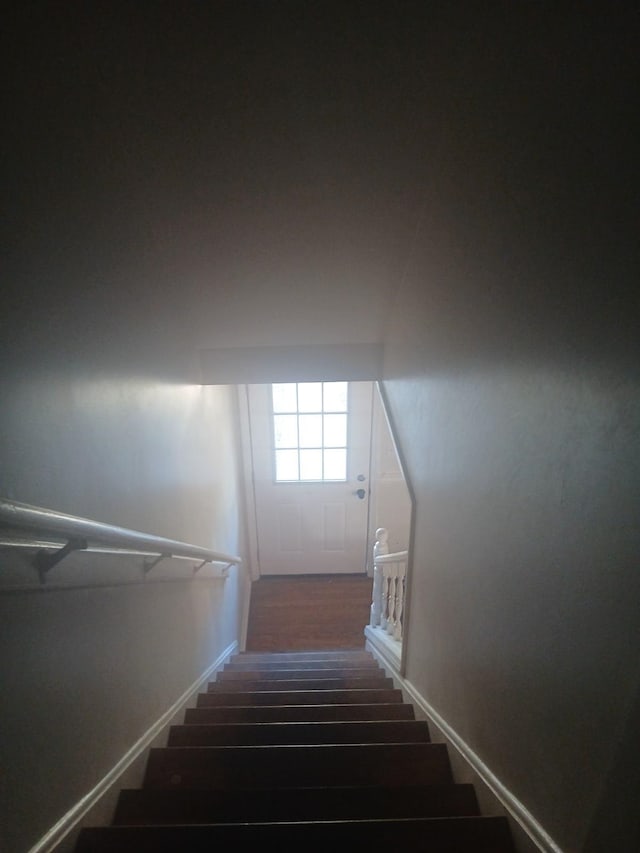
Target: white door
(310, 443)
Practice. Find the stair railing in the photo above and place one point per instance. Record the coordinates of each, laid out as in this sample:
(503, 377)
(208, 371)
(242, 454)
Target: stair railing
(84, 534)
(389, 586)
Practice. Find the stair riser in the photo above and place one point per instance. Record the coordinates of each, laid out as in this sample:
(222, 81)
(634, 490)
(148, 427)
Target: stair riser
(265, 674)
(299, 769)
(410, 731)
(295, 657)
(447, 835)
(299, 697)
(299, 713)
(286, 666)
(305, 654)
(291, 766)
(364, 683)
(290, 804)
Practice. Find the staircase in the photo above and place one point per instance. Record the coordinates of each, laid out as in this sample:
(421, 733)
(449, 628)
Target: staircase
(310, 751)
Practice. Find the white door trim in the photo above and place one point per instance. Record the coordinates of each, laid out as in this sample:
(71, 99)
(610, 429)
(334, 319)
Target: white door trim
(250, 517)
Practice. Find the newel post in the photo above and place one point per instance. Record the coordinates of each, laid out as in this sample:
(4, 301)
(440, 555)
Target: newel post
(380, 548)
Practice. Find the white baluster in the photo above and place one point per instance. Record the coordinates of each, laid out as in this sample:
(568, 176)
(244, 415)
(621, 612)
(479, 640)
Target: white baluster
(391, 607)
(400, 594)
(384, 614)
(381, 547)
(389, 587)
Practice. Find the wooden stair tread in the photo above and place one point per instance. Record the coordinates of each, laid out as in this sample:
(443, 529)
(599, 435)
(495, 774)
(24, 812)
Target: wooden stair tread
(372, 682)
(300, 697)
(265, 674)
(296, 713)
(305, 655)
(421, 835)
(286, 666)
(146, 806)
(311, 655)
(355, 731)
(303, 750)
(287, 765)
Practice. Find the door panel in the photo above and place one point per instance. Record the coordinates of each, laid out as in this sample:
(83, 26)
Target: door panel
(309, 526)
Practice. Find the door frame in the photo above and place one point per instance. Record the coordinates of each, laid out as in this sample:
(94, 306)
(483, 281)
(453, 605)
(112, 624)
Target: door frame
(250, 504)
(249, 514)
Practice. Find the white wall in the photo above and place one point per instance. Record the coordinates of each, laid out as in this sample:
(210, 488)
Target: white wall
(460, 183)
(88, 669)
(524, 629)
(513, 383)
(390, 502)
(151, 455)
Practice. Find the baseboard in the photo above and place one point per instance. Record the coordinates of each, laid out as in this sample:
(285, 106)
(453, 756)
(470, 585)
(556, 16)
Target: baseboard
(387, 650)
(534, 836)
(61, 832)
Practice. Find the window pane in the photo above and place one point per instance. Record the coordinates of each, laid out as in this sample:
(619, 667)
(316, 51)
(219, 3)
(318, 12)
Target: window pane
(311, 465)
(335, 464)
(310, 445)
(284, 397)
(335, 396)
(310, 396)
(285, 429)
(335, 430)
(286, 464)
(310, 430)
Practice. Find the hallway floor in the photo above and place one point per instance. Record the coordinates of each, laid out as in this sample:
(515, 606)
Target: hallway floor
(298, 612)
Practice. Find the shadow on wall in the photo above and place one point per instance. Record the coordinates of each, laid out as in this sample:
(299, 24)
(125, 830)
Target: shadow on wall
(390, 504)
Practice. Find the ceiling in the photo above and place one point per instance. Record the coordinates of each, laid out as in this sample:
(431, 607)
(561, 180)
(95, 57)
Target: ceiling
(215, 174)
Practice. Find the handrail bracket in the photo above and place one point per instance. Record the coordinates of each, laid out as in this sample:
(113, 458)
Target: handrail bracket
(45, 560)
(150, 564)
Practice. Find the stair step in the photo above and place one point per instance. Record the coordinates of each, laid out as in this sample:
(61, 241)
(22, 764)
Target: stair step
(285, 666)
(299, 765)
(285, 674)
(245, 734)
(298, 713)
(293, 804)
(373, 682)
(299, 697)
(420, 835)
(328, 655)
(307, 751)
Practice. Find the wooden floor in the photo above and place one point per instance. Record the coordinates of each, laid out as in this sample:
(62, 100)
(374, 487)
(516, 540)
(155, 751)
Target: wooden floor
(298, 612)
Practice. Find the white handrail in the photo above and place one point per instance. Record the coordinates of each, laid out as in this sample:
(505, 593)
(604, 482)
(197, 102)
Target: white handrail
(81, 533)
(396, 557)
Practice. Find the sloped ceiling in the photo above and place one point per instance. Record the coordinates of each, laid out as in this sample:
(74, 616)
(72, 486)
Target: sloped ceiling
(214, 174)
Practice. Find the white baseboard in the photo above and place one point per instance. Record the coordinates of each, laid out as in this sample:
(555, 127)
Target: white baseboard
(386, 648)
(512, 806)
(71, 821)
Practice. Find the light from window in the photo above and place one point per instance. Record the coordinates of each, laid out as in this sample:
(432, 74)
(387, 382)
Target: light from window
(310, 430)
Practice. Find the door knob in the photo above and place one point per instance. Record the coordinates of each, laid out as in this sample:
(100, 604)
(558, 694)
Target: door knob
(360, 493)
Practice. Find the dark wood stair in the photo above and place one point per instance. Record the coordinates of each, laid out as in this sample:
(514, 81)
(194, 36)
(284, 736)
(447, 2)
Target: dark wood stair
(302, 750)
(299, 713)
(258, 734)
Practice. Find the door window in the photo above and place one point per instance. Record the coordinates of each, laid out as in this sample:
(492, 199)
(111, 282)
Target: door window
(310, 431)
